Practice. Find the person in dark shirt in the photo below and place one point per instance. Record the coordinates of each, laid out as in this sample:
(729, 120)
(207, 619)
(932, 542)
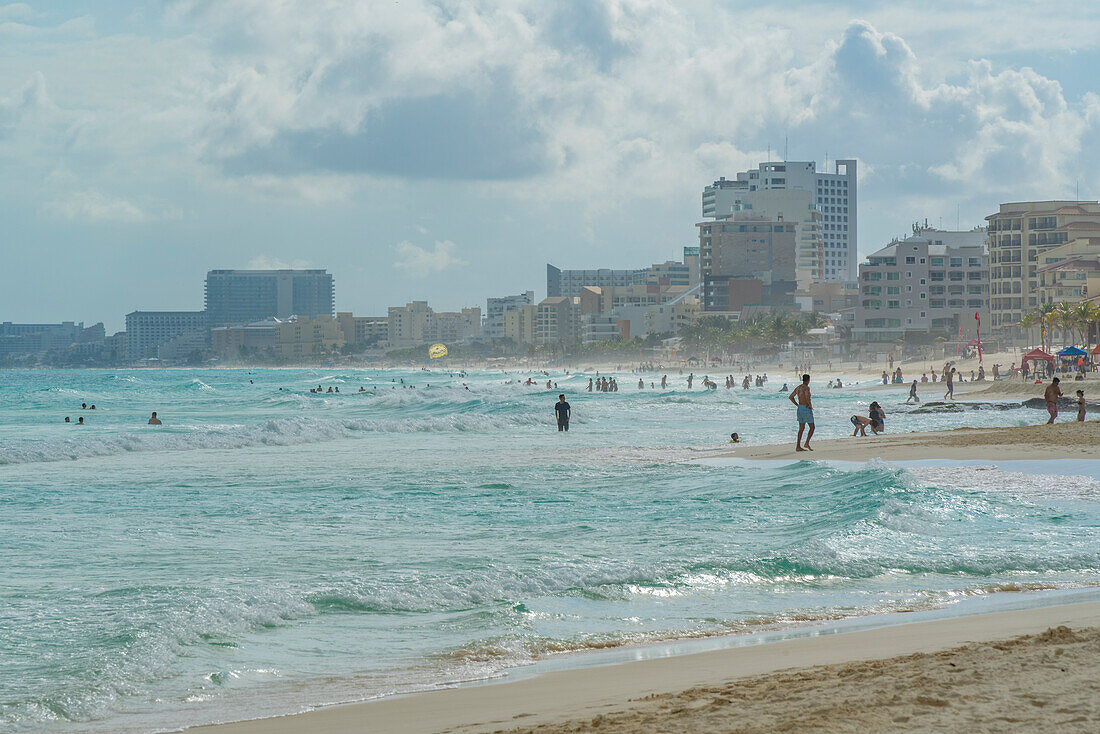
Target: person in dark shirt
(562, 411)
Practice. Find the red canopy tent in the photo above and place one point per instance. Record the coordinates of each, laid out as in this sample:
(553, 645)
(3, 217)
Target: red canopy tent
(1037, 355)
(973, 343)
(1096, 349)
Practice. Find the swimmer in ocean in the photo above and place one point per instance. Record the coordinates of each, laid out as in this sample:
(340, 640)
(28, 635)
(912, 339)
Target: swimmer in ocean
(153, 420)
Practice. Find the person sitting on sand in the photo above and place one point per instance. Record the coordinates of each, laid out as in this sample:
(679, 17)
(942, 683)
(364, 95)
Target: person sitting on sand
(804, 413)
(734, 438)
(153, 420)
(1051, 395)
(913, 393)
(860, 424)
(1080, 406)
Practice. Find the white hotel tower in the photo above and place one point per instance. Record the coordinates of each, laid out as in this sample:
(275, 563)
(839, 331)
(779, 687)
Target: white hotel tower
(834, 193)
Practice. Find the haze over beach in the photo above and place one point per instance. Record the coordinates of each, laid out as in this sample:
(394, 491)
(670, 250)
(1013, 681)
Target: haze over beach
(626, 365)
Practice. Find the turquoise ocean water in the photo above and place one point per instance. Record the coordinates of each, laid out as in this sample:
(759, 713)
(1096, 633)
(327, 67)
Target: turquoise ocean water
(268, 550)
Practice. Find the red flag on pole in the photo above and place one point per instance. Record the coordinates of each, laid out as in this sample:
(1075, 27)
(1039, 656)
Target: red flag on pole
(979, 332)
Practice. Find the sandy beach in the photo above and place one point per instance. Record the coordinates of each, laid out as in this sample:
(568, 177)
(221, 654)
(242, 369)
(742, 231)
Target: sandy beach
(1027, 670)
(1070, 440)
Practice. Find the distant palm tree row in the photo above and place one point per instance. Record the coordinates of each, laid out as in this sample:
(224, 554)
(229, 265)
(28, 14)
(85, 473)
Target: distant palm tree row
(1071, 319)
(718, 334)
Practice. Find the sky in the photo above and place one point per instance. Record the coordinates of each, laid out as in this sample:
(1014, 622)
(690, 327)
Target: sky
(448, 150)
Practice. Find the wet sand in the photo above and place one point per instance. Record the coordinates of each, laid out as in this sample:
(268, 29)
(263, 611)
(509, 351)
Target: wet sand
(1069, 440)
(967, 673)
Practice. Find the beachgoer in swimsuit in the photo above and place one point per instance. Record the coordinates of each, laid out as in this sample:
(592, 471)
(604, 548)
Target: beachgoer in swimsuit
(1051, 395)
(804, 412)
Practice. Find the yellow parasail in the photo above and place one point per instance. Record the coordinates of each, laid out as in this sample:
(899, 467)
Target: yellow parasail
(436, 351)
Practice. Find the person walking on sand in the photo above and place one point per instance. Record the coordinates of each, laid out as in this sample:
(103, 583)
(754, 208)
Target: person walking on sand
(153, 420)
(913, 393)
(1080, 406)
(950, 377)
(800, 397)
(1051, 395)
(562, 412)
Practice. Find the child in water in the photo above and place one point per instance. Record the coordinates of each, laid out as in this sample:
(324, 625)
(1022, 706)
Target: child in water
(734, 438)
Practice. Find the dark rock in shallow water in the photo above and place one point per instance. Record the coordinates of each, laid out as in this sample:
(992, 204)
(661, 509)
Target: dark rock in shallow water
(1066, 402)
(960, 407)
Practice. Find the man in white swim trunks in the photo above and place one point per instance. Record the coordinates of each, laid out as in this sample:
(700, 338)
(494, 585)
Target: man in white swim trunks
(800, 396)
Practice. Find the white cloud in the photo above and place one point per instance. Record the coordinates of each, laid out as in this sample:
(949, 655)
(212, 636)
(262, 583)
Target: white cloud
(420, 261)
(16, 11)
(92, 205)
(31, 98)
(312, 103)
(263, 262)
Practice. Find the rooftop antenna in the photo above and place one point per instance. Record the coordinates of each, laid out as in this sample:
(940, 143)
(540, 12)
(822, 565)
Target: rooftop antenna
(784, 148)
(958, 216)
(769, 152)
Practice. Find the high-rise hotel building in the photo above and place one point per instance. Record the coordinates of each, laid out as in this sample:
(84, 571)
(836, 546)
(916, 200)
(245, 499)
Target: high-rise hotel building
(243, 296)
(834, 195)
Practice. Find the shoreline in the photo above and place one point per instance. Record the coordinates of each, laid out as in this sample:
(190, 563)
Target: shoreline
(572, 696)
(1068, 440)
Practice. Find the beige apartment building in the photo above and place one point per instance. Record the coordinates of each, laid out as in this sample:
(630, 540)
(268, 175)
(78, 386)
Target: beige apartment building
(747, 260)
(304, 337)
(363, 329)
(555, 321)
(1020, 234)
(1070, 273)
(519, 324)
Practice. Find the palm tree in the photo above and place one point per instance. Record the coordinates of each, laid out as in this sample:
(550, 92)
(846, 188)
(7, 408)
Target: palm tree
(1027, 322)
(1046, 323)
(1066, 317)
(1087, 315)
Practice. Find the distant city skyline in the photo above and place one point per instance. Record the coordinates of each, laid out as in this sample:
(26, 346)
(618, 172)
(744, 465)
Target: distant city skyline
(145, 144)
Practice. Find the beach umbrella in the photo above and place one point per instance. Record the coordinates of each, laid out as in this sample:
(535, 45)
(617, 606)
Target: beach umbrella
(1037, 355)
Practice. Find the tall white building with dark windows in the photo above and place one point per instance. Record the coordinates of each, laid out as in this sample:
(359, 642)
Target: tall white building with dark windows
(834, 195)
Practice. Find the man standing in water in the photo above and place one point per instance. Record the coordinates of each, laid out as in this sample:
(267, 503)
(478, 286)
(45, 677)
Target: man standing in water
(562, 411)
(950, 377)
(1051, 395)
(800, 396)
